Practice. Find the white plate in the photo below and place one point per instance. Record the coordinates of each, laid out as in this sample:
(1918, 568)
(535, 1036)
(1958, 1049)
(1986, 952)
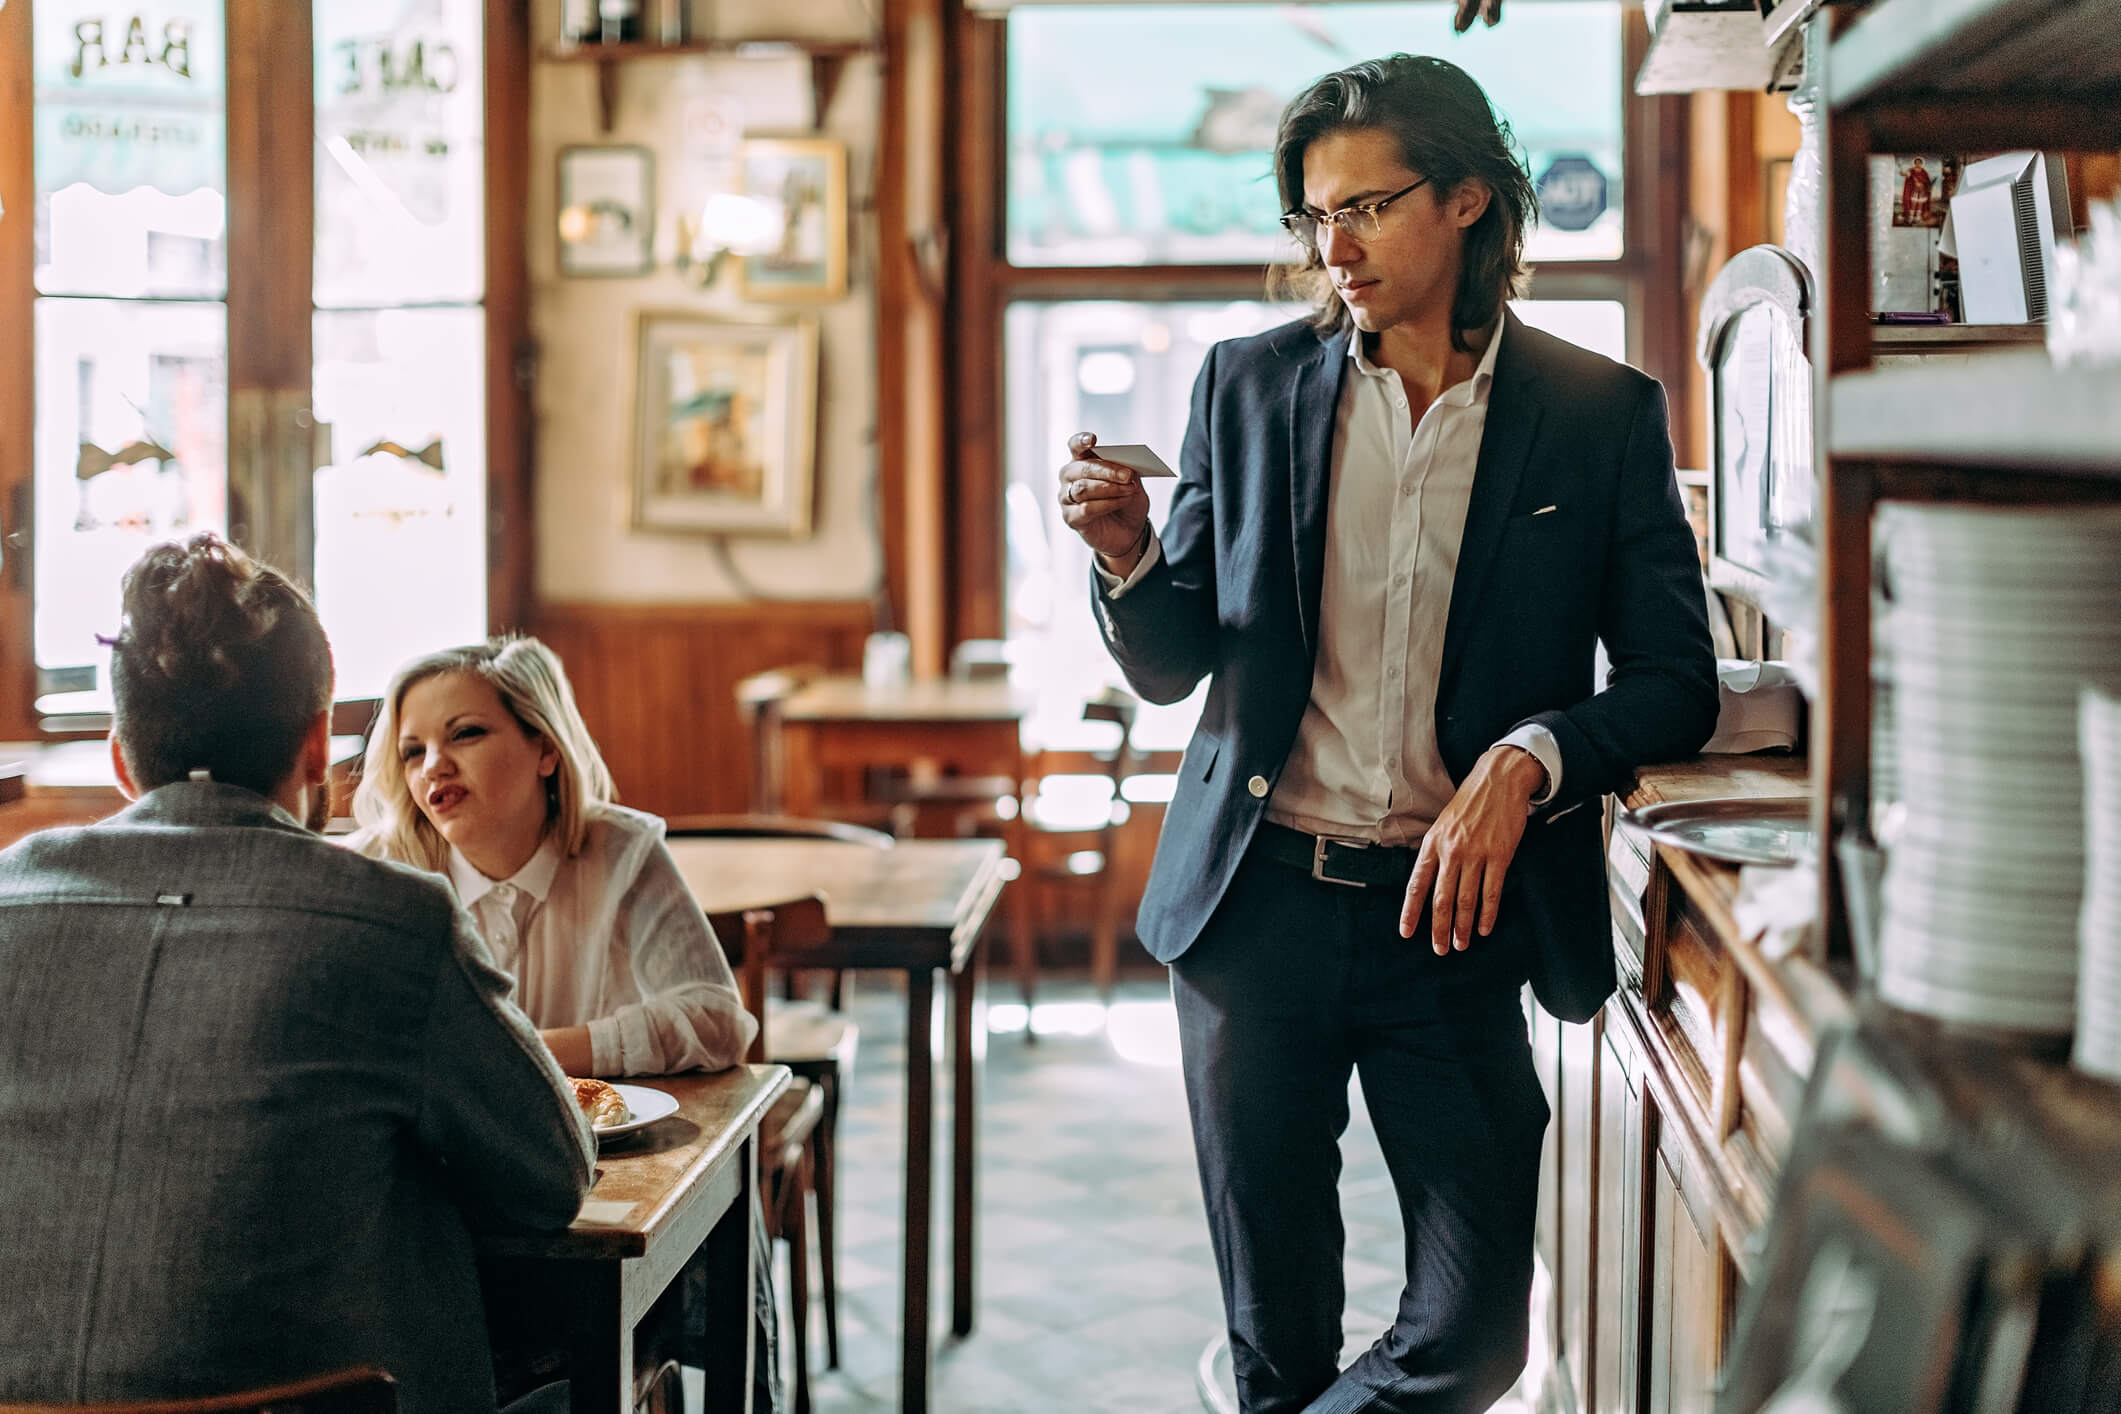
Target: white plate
(647, 1105)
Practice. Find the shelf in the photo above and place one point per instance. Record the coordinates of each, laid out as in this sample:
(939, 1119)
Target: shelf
(2002, 410)
(1926, 338)
(739, 48)
(1902, 51)
(828, 57)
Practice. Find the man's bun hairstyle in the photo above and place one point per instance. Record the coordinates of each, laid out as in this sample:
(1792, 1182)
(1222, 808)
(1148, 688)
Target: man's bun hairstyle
(221, 665)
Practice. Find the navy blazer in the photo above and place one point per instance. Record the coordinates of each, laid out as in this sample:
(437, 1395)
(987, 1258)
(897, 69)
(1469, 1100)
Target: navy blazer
(1235, 599)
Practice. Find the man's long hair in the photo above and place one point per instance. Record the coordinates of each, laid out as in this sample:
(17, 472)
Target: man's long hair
(1447, 132)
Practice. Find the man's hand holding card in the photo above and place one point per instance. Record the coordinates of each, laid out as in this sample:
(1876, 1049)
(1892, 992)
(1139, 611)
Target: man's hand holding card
(1102, 499)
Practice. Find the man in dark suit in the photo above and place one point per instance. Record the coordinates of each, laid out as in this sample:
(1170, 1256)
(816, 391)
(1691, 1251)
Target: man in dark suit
(1400, 530)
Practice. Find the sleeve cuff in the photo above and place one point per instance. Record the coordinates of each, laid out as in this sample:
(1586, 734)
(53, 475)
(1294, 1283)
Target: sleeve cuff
(606, 1052)
(1114, 585)
(1540, 742)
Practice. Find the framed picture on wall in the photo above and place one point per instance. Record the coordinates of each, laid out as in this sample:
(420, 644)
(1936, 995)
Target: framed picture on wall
(803, 182)
(607, 211)
(725, 425)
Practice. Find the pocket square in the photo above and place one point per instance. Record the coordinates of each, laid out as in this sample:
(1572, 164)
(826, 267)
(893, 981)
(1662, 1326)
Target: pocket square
(1544, 509)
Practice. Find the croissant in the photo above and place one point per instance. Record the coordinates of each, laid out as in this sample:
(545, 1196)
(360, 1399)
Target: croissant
(604, 1105)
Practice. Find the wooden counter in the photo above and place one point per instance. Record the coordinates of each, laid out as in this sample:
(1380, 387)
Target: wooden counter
(1672, 1112)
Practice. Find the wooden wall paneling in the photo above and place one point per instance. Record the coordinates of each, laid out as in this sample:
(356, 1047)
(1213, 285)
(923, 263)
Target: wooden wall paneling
(1617, 1248)
(657, 683)
(1546, 1060)
(18, 399)
(511, 540)
(1578, 1121)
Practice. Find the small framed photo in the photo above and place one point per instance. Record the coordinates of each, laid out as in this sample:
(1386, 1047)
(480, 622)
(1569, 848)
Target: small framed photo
(725, 425)
(607, 211)
(803, 182)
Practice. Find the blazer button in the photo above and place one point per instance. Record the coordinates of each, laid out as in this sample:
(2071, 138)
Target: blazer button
(1257, 785)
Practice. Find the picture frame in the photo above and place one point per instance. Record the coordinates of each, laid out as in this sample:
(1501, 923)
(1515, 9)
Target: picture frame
(725, 425)
(606, 206)
(804, 182)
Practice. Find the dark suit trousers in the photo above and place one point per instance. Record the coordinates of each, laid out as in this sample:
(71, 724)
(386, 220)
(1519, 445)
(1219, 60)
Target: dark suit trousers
(1293, 984)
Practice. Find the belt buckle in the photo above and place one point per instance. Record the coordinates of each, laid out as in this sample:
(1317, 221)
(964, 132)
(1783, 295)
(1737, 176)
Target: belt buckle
(1318, 860)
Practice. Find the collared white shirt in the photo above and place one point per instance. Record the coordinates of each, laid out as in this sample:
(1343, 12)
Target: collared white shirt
(612, 939)
(1365, 764)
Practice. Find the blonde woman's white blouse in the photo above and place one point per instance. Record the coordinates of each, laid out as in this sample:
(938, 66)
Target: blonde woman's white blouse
(612, 939)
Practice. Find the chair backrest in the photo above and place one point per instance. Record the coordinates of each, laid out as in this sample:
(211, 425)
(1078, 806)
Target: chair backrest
(1119, 707)
(758, 703)
(755, 937)
(343, 1392)
(773, 827)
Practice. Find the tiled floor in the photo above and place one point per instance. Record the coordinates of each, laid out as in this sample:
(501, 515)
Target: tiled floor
(1097, 1291)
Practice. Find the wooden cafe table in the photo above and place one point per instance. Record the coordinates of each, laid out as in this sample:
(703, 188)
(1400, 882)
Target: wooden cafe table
(659, 1195)
(973, 728)
(919, 906)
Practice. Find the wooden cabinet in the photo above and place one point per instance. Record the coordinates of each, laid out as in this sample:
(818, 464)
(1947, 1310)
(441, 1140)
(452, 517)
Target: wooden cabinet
(1671, 1112)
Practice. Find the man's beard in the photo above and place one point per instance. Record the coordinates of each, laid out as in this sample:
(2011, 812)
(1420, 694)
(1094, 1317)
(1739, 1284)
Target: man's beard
(319, 807)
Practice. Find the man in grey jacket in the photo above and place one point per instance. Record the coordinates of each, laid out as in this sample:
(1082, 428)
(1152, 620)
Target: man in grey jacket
(255, 1089)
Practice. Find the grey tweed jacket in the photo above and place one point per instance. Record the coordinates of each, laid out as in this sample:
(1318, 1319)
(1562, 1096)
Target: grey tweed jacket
(253, 1088)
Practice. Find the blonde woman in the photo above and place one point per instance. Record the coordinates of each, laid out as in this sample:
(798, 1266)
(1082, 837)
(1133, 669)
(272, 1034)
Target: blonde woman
(479, 768)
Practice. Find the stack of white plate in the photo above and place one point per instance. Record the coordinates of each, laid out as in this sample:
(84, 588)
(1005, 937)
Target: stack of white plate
(2099, 969)
(1999, 618)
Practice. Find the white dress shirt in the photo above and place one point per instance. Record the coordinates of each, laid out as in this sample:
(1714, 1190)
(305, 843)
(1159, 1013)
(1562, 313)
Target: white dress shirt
(1365, 764)
(612, 939)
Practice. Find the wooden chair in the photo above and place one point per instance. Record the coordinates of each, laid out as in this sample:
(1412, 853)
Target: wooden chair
(780, 827)
(773, 827)
(359, 1391)
(1074, 819)
(794, 1138)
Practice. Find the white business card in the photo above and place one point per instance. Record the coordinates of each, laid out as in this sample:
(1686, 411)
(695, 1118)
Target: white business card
(1134, 455)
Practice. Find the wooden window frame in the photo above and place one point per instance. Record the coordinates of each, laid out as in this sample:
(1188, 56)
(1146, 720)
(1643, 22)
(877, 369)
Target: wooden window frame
(270, 133)
(1647, 279)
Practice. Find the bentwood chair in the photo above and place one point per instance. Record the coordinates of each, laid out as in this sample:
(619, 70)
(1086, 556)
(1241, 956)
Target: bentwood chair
(793, 1132)
(1075, 809)
(359, 1391)
(818, 1044)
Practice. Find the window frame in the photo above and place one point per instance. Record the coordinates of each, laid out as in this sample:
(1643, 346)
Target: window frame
(985, 284)
(269, 301)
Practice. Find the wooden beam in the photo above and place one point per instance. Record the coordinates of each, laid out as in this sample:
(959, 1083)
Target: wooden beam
(979, 271)
(18, 393)
(511, 531)
(912, 305)
(271, 252)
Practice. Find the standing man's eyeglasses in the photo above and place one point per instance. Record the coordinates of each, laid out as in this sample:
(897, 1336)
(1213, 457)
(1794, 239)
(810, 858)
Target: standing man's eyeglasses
(1362, 221)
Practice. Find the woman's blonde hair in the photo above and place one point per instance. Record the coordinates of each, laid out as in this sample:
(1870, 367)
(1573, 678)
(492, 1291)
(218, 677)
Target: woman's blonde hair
(534, 688)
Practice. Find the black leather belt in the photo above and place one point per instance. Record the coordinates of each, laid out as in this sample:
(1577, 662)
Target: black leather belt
(1335, 861)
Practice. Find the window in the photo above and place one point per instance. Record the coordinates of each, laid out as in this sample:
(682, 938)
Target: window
(1131, 230)
(1171, 162)
(173, 389)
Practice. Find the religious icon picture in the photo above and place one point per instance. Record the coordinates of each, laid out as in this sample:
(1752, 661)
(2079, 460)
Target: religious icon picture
(1920, 194)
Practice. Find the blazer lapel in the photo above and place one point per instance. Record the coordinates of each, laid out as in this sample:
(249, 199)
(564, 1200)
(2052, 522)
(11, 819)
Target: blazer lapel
(1314, 404)
(1505, 446)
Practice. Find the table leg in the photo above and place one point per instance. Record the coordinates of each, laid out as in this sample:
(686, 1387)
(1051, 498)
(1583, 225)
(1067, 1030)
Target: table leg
(920, 1154)
(599, 1342)
(730, 1260)
(964, 998)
